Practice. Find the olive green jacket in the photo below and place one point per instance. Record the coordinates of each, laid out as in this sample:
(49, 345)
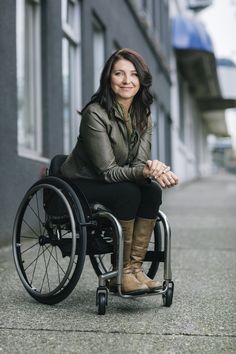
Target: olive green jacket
(105, 151)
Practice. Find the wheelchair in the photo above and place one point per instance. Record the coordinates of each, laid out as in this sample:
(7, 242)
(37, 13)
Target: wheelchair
(55, 228)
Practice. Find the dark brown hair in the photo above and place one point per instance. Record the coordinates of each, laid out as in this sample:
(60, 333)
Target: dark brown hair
(143, 99)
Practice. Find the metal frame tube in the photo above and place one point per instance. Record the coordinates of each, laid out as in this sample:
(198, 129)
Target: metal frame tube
(120, 245)
(167, 245)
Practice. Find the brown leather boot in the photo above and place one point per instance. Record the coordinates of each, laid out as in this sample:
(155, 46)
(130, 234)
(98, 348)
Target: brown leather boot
(143, 229)
(130, 284)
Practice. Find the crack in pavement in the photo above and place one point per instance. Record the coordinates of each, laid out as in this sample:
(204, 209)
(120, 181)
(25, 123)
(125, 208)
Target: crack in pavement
(213, 335)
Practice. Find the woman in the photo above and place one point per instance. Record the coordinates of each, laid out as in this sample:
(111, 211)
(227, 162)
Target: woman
(111, 160)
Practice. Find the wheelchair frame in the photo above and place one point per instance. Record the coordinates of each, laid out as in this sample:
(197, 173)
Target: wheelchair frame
(69, 230)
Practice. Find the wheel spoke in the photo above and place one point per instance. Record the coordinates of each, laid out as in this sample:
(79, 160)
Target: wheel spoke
(37, 215)
(31, 237)
(56, 261)
(35, 265)
(29, 248)
(46, 271)
(31, 228)
(36, 258)
(66, 233)
(58, 273)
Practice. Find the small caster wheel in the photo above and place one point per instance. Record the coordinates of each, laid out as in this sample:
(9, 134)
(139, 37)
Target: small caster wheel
(168, 296)
(101, 300)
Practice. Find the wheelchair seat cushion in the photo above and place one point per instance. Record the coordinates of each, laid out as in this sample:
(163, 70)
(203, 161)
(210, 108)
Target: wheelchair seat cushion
(55, 165)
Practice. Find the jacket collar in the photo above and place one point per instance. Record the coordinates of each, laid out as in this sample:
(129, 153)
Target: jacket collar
(119, 113)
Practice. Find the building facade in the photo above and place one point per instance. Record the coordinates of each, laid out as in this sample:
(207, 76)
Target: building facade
(197, 101)
(52, 53)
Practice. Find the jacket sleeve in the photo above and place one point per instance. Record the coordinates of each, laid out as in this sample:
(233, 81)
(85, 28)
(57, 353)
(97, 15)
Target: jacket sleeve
(100, 152)
(144, 150)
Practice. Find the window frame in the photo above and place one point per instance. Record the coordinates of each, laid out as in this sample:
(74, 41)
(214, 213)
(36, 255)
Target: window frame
(71, 29)
(98, 46)
(155, 137)
(28, 59)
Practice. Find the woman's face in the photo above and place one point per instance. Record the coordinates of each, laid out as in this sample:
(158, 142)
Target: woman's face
(124, 81)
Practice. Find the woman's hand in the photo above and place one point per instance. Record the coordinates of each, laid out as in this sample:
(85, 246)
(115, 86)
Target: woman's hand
(168, 179)
(161, 173)
(155, 168)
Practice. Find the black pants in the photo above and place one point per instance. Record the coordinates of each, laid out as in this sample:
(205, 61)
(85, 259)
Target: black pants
(126, 200)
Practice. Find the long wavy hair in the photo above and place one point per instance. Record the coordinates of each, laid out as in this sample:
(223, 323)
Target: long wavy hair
(142, 100)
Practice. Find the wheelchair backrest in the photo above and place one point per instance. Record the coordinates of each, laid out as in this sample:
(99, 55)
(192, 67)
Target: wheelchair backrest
(52, 203)
(55, 165)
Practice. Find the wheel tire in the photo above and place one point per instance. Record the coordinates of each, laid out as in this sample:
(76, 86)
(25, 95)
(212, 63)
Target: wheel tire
(102, 301)
(168, 296)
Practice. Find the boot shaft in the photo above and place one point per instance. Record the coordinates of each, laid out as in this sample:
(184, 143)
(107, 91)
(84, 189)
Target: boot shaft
(127, 230)
(143, 229)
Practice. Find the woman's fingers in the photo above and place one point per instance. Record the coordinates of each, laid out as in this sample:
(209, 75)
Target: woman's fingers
(166, 169)
(165, 180)
(168, 179)
(172, 177)
(156, 168)
(161, 182)
(161, 173)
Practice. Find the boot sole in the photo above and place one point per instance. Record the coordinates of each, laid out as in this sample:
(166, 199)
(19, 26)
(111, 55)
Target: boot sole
(156, 288)
(136, 292)
(114, 289)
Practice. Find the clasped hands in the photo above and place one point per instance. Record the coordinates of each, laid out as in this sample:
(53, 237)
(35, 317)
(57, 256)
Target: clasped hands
(157, 170)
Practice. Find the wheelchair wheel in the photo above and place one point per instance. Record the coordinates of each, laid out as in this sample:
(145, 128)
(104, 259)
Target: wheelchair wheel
(101, 304)
(49, 243)
(102, 263)
(168, 295)
(101, 300)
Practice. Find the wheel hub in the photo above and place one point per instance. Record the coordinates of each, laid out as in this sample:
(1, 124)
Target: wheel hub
(43, 240)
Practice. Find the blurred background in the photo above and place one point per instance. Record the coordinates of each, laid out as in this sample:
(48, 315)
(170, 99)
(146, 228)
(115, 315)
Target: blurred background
(51, 56)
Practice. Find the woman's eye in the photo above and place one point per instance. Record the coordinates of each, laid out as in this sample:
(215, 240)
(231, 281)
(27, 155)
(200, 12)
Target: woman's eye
(135, 74)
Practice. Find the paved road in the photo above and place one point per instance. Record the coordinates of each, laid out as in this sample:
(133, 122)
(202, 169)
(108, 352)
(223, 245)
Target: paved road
(201, 320)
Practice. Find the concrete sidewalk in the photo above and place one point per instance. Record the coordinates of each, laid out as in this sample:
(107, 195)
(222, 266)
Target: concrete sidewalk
(201, 320)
